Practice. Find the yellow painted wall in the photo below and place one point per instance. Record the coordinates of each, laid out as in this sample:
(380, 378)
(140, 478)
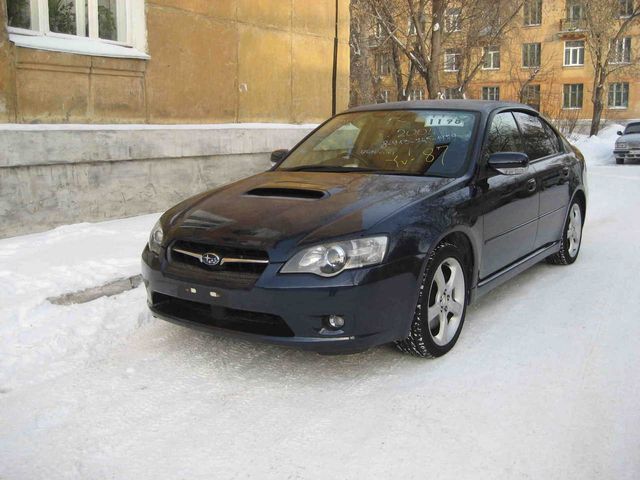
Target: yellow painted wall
(7, 70)
(211, 61)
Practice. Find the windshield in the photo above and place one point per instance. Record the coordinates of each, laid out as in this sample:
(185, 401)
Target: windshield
(633, 128)
(412, 142)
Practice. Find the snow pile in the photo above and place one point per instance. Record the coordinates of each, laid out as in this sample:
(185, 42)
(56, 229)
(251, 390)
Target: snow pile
(598, 150)
(39, 340)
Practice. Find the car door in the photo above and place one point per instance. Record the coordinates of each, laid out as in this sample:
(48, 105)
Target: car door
(552, 166)
(508, 203)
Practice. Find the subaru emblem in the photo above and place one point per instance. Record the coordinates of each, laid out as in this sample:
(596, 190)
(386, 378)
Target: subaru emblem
(210, 259)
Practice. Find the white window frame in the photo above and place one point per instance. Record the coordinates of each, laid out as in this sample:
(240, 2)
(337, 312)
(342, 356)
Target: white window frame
(622, 51)
(574, 51)
(491, 52)
(491, 93)
(579, 88)
(130, 24)
(629, 8)
(529, 7)
(527, 96)
(452, 20)
(618, 90)
(528, 47)
(383, 64)
(452, 93)
(572, 7)
(416, 94)
(455, 54)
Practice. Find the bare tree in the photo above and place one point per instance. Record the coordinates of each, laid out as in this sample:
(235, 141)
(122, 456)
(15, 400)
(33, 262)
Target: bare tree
(436, 25)
(606, 22)
(363, 84)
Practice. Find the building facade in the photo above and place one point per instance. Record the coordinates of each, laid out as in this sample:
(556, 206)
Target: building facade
(171, 61)
(543, 60)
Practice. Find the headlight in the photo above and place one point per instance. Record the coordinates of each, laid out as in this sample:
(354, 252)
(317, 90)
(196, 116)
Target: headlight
(330, 259)
(621, 145)
(155, 238)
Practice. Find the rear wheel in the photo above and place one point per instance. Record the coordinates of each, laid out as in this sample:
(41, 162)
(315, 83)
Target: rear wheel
(441, 306)
(571, 238)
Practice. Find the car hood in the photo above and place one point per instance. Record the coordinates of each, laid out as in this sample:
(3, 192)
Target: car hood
(630, 137)
(277, 211)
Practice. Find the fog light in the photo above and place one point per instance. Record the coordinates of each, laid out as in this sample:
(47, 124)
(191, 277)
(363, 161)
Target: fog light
(335, 321)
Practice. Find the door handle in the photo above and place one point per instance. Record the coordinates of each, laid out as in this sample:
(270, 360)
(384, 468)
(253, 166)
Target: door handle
(532, 185)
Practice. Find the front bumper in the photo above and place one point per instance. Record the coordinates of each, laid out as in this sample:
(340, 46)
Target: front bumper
(627, 154)
(377, 304)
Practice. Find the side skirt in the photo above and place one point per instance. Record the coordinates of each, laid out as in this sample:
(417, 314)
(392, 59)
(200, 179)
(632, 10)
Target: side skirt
(501, 276)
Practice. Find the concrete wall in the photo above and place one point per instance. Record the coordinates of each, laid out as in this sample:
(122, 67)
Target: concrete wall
(210, 62)
(70, 174)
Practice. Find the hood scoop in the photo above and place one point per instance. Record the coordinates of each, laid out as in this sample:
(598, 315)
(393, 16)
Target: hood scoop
(287, 192)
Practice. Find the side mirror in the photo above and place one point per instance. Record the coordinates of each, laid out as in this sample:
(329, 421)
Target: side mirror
(620, 133)
(278, 155)
(509, 163)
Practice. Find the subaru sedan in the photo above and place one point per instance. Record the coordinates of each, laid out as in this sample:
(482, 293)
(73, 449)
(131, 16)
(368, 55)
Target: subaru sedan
(381, 226)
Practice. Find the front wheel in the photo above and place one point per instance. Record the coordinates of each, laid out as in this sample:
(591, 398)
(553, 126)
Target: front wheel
(571, 238)
(619, 161)
(441, 307)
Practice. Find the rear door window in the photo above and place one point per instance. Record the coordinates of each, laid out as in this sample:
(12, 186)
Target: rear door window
(537, 142)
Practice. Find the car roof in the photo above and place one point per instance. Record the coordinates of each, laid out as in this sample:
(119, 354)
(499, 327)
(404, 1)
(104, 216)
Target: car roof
(484, 106)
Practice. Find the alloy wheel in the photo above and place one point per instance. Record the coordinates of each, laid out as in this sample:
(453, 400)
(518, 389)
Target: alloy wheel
(574, 230)
(446, 301)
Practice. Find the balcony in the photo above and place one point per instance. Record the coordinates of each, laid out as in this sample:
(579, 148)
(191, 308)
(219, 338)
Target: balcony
(572, 28)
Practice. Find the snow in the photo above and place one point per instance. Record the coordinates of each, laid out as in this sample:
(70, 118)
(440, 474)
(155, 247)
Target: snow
(598, 150)
(543, 382)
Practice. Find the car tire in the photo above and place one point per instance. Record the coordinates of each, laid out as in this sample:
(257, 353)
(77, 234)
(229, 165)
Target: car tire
(620, 161)
(571, 237)
(443, 297)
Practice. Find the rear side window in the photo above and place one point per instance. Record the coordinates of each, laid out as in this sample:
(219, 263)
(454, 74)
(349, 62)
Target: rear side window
(504, 135)
(537, 142)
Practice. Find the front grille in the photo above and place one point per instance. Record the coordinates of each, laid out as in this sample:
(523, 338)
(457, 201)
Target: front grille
(221, 317)
(182, 266)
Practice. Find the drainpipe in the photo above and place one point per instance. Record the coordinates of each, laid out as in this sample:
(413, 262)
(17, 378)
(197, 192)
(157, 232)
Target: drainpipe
(334, 85)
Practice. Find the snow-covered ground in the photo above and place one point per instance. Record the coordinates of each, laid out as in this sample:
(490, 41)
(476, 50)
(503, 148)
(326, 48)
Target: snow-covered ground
(544, 382)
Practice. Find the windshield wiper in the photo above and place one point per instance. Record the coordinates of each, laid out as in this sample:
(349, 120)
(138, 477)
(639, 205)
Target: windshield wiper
(328, 168)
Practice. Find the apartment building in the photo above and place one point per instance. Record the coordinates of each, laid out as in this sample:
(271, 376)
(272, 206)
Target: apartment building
(542, 60)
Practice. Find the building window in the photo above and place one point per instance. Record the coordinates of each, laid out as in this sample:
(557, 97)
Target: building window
(452, 93)
(415, 94)
(378, 29)
(384, 96)
(491, 58)
(95, 19)
(619, 95)
(532, 12)
(452, 58)
(531, 55)
(575, 10)
(622, 50)
(453, 21)
(531, 96)
(626, 8)
(574, 53)
(573, 95)
(383, 64)
(490, 93)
